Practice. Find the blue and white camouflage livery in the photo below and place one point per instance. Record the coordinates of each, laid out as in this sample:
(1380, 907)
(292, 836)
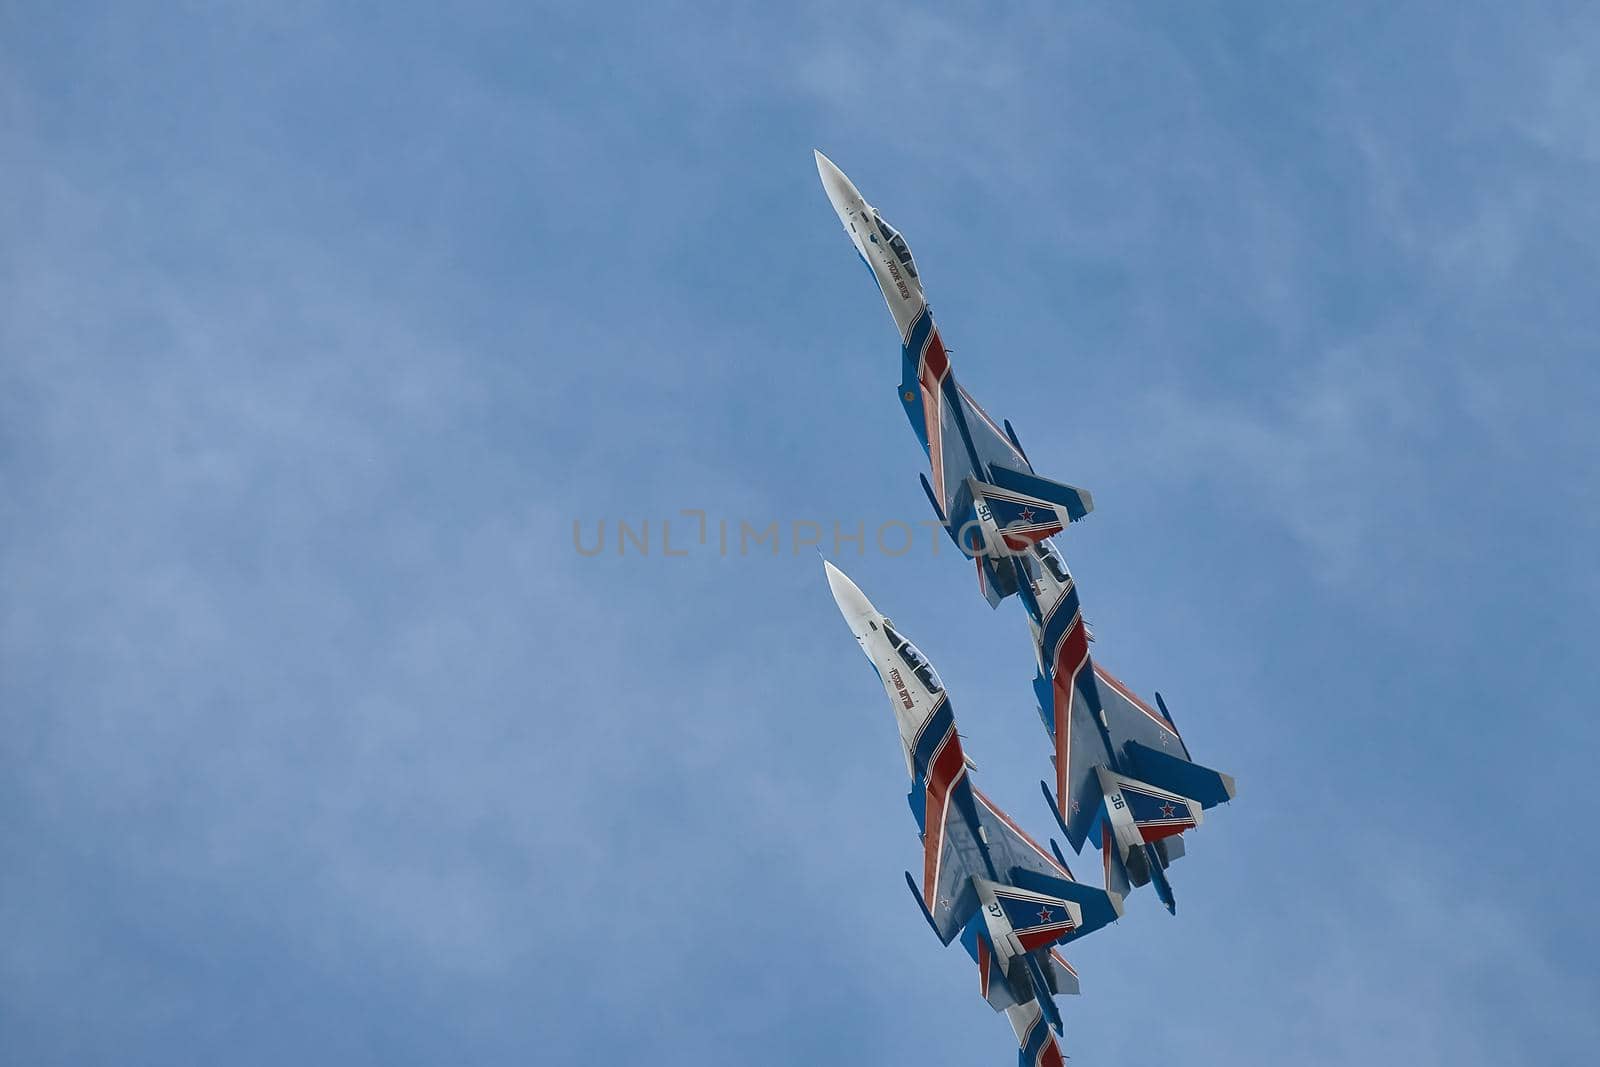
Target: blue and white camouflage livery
(984, 880)
(980, 483)
(1124, 780)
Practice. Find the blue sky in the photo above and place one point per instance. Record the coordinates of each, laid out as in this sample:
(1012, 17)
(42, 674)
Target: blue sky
(320, 326)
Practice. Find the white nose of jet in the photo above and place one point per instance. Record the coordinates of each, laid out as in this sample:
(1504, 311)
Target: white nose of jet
(853, 603)
(842, 193)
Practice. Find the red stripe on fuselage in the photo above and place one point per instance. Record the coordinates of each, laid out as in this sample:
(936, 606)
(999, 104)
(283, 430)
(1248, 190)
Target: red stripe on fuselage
(1071, 654)
(931, 372)
(935, 363)
(930, 416)
(1061, 598)
(983, 966)
(944, 771)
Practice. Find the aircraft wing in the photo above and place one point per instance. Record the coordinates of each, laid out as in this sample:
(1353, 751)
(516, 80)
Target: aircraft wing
(1154, 751)
(1130, 719)
(994, 447)
(946, 894)
(1010, 846)
(1031, 875)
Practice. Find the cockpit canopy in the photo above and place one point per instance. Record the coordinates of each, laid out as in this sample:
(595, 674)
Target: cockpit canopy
(896, 243)
(914, 659)
(1052, 561)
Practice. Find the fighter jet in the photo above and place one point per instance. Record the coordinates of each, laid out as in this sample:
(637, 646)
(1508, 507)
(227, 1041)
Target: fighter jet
(982, 486)
(983, 879)
(1124, 781)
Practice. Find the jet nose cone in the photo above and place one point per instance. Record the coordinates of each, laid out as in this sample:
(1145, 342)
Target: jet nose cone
(853, 603)
(841, 191)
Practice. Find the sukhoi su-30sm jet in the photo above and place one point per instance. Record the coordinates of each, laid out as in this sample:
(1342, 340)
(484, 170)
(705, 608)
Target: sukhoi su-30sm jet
(983, 879)
(982, 486)
(1123, 778)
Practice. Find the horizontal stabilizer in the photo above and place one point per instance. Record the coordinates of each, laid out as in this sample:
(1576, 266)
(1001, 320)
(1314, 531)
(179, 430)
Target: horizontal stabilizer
(1134, 820)
(1038, 920)
(1013, 521)
(1074, 501)
(1176, 775)
(1094, 907)
(1140, 813)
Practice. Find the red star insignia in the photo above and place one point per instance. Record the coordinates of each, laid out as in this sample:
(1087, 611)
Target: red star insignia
(1167, 809)
(1027, 514)
(1045, 915)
